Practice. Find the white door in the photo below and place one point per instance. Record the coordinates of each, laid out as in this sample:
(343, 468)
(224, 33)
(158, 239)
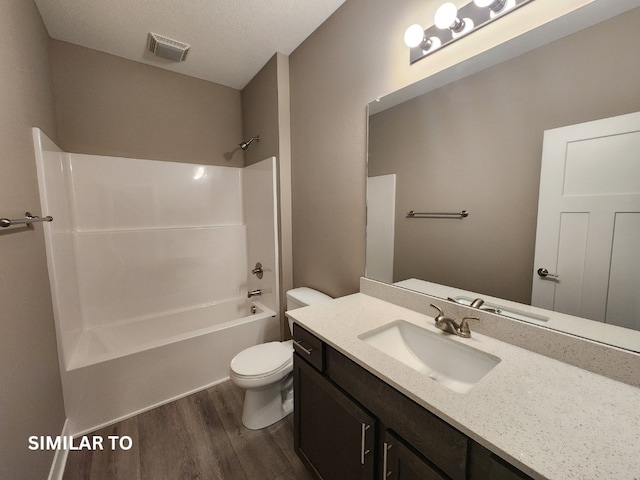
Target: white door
(588, 230)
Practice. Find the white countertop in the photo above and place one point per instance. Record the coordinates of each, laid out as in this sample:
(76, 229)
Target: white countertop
(550, 419)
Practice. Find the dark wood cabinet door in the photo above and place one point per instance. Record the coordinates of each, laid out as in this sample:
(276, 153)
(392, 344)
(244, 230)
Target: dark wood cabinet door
(429, 435)
(333, 435)
(400, 462)
(485, 465)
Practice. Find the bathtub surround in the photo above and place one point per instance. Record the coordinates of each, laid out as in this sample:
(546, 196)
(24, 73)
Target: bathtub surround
(196, 121)
(31, 400)
(149, 269)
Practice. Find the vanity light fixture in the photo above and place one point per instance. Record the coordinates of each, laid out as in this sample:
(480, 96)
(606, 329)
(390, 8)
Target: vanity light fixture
(451, 23)
(447, 17)
(495, 5)
(415, 37)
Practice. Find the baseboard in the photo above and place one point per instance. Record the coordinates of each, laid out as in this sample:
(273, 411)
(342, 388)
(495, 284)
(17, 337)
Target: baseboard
(59, 458)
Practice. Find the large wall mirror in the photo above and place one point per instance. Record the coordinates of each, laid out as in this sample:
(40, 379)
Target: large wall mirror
(475, 143)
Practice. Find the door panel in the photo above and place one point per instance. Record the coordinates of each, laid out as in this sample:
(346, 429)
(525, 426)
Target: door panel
(572, 248)
(623, 306)
(590, 179)
(587, 174)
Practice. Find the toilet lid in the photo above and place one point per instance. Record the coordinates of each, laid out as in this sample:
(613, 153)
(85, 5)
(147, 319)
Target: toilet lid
(262, 359)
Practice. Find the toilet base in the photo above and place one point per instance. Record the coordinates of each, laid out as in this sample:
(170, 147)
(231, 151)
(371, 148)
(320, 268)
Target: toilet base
(266, 406)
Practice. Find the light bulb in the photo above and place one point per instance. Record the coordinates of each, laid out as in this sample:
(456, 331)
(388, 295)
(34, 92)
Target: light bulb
(446, 15)
(413, 36)
(496, 6)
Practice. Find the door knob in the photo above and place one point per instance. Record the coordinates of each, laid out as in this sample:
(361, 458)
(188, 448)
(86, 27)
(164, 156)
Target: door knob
(543, 272)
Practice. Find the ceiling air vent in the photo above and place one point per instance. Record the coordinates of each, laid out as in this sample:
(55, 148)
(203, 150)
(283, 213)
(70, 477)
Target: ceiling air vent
(164, 47)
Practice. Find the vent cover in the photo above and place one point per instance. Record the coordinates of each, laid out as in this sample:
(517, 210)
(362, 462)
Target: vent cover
(164, 47)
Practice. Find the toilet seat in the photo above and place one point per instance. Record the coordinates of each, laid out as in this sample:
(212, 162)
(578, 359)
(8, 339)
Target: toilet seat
(263, 360)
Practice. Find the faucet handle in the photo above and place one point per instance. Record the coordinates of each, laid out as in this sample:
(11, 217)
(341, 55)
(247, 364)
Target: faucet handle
(477, 303)
(464, 325)
(440, 312)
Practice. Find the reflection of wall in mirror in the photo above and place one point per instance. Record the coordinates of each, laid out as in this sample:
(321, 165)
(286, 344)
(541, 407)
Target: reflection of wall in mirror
(476, 144)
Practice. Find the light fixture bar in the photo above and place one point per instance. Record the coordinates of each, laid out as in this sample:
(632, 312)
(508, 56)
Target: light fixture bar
(471, 14)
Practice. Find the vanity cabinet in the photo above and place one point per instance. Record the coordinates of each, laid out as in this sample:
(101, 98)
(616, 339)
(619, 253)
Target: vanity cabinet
(441, 446)
(334, 436)
(401, 462)
(349, 424)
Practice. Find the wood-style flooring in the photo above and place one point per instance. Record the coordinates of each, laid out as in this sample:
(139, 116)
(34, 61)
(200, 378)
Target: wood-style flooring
(197, 437)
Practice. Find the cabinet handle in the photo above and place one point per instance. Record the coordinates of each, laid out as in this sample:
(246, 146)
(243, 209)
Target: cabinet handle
(305, 350)
(385, 455)
(363, 438)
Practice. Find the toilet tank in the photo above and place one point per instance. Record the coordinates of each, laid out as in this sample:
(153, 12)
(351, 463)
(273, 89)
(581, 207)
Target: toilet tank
(303, 297)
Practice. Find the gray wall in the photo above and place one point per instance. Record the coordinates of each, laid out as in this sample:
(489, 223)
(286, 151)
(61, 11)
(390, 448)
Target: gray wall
(477, 144)
(108, 105)
(30, 391)
(356, 56)
(260, 113)
(265, 112)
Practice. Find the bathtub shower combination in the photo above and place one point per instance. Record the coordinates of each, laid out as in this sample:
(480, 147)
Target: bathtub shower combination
(150, 264)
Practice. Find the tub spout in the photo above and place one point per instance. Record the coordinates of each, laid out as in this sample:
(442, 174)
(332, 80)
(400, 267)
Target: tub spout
(254, 293)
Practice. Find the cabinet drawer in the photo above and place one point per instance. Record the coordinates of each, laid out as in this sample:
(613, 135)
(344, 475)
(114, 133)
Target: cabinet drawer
(432, 437)
(309, 347)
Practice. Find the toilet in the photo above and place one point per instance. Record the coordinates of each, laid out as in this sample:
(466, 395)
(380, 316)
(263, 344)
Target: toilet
(265, 371)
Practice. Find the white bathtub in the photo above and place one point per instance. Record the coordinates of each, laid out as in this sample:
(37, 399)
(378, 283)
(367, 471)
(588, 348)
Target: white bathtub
(124, 369)
(132, 336)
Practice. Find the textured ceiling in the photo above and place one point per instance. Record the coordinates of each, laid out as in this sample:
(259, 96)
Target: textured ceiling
(230, 40)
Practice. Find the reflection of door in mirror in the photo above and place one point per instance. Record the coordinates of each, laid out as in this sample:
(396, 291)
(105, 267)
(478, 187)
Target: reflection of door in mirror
(381, 214)
(589, 221)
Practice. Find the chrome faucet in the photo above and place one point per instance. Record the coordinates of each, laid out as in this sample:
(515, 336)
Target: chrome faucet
(254, 293)
(448, 324)
(477, 303)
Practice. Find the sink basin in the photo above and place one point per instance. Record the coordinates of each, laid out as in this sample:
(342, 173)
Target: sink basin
(454, 365)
